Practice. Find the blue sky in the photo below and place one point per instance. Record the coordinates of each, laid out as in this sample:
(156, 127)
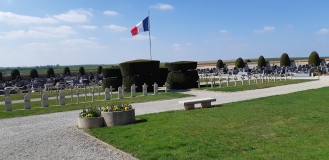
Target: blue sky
(74, 32)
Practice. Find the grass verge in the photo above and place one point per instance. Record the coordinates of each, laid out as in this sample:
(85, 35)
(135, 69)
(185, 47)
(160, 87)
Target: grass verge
(292, 126)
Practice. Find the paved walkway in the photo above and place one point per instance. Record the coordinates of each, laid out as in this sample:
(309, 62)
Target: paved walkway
(55, 136)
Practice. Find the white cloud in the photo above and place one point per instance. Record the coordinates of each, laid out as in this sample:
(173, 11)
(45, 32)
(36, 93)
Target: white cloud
(110, 13)
(38, 32)
(93, 38)
(15, 19)
(39, 47)
(77, 16)
(223, 31)
(88, 27)
(176, 46)
(162, 6)
(61, 30)
(188, 44)
(323, 31)
(115, 28)
(80, 43)
(137, 37)
(265, 29)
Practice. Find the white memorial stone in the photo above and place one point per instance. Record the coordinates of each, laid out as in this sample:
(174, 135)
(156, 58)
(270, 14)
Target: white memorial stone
(61, 98)
(155, 88)
(8, 104)
(27, 102)
(107, 94)
(45, 102)
(120, 93)
(6, 91)
(133, 90)
(144, 89)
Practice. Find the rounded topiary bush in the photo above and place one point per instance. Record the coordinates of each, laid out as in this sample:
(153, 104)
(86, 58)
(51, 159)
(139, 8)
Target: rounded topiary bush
(99, 69)
(14, 74)
(82, 71)
(220, 64)
(285, 60)
(182, 66)
(66, 71)
(139, 81)
(183, 79)
(239, 63)
(139, 67)
(114, 82)
(261, 62)
(162, 77)
(111, 72)
(34, 73)
(50, 72)
(314, 59)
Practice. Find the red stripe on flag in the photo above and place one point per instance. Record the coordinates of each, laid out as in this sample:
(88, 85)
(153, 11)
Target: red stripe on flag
(134, 31)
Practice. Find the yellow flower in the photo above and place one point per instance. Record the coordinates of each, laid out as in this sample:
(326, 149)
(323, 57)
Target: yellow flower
(106, 109)
(126, 108)
(89, 115)
(115, 108)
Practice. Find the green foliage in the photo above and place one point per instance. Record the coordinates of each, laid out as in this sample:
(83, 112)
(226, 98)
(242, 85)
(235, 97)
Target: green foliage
(183, 79)
(66, 71)
(99, 69)
(163, 73)
(34, 73)
(114, 82)
(111, 72)
(139, 81)
(182, 65)
(0, 76)
(14, 74)
(139, 67)
(50, 72)
(285, 60)
(220, 64)
(314, 59)
(90, 112)
(247, 60)
(239, 63)
(82, 71)
(261, 62)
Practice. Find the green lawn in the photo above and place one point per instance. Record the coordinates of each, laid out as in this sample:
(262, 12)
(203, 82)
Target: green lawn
(253, 85)
(292, 126)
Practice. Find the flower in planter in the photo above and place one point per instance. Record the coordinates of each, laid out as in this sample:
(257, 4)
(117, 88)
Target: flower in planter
(117, 107)
(90, 112)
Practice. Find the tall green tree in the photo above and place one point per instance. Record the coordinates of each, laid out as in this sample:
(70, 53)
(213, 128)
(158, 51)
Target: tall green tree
(50, 72)
(14, 74)
(285, 60)
(261, 62)
(66, 71)
(220, 64)
(34, 73)
(99, 69)
(82, 71)
(314, 59)
(239, 63)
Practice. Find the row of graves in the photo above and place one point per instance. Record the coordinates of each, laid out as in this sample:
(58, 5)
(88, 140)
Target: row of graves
(72, 93)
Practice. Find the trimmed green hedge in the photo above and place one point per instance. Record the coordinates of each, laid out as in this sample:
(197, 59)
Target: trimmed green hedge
(285, 60)
(111, 72)
(82, 71)
(220, 64)
(139, 67)
(50, 72)
(314, 59)
(261, 62)
(183, 80)
(34, 73)
(114, 82)
(182, 65)
(66, 71)
(14, 74)
(99, 69)
(239, 63)
(139, 81)
(163, 73)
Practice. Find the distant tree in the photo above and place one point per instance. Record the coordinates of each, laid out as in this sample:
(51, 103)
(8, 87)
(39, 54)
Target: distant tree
(34, 73)
(239, 63)
(57, 65)
(285, 60)
(99, 69)
(314, 59)
(220, 64)
(66, 71)
(261, 62)
(247, 60)
(14, 74)
(82, 71)
(50, 72)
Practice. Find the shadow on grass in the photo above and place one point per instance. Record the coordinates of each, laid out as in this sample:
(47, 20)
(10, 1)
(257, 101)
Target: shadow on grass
(141, 120)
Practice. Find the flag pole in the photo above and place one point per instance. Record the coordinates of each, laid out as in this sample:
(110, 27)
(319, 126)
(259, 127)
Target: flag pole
(149, 34)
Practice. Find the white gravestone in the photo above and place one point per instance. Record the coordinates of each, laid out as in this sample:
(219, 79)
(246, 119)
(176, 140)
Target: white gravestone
(242, 79)
(145, 89)
(133, 90)
(78, 99)
(45, 102)
(228, 80)
(107, 94)
(27, 102)
(198, 83)
(166, 85)
(155, 88)
(8, 104)
(61, 98)
(123, 90)
(120, 93)
(235, 79)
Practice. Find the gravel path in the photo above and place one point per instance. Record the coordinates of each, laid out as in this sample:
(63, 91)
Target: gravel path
(55, 136)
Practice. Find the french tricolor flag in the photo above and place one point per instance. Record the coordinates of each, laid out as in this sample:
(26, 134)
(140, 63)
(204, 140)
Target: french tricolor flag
(142, 26)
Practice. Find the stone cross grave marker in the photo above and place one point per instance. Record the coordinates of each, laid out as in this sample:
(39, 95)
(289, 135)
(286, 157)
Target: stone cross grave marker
(166, 85)
(8, 104)
(212, 82)
(155, 88)
(27, 102)
(133, 90)
(78, 99)
(107, 94)
(228, 80)
(206, 80)
(111, 90)
(61, 98)
(45, 102)
(262, 78)
(255, 79)
(220, 80)
(235, 79)
(242, 79)
(145, 89)
(120, 93)
(198, 83)
(123, 90)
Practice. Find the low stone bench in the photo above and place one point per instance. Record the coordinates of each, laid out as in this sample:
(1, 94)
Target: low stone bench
(205, 103)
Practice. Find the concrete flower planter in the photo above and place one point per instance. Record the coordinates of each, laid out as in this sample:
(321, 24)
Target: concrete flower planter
(119, 118)
(91, 122)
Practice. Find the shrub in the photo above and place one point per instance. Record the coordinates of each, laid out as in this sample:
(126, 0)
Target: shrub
(261, 62)
(182, 65)
(139, 67)
(285, 60)
(34, 73)
(239, 63)
(99, 69)
(220, 64)
(82, 71)
(183, 79)
(247, 60)
(66, 71)
(163, 73)
(139, 81)
(314, 59)
(0, 76)
(111, 72)
(50, 72)
(14, 74)
(114, 82)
